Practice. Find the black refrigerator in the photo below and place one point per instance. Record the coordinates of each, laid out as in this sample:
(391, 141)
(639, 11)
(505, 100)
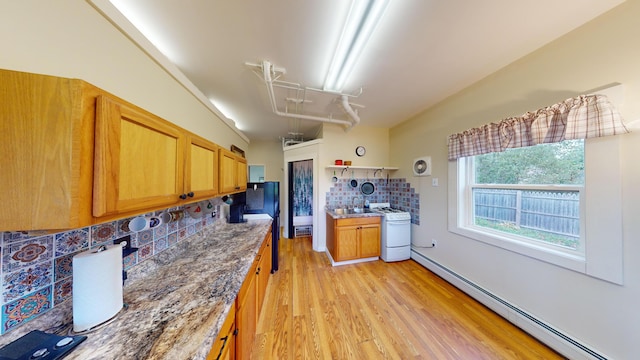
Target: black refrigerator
(264, 198)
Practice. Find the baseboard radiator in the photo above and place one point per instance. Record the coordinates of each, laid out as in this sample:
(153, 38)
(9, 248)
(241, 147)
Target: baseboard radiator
(552, 337)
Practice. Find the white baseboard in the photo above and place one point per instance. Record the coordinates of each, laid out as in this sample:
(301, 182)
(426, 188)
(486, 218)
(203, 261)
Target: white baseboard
(552, 337)
(347, 262)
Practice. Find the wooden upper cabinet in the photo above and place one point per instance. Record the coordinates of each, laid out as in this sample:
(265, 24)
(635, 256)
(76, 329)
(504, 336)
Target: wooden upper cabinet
(201, 172)
(233, 172)
(74, 155)
(139, 159)
(46, 147)
(241, 172)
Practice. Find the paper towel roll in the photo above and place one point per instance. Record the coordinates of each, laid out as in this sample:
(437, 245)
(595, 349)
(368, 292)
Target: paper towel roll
(97, 287)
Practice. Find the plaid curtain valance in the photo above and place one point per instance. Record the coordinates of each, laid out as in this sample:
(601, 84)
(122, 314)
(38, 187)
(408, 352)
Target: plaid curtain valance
(581, 117)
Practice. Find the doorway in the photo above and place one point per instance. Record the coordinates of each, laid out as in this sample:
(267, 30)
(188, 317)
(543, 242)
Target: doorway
(300, 214)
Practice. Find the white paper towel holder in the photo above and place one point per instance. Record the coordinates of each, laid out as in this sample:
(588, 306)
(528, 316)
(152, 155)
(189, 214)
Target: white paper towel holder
(97, 288)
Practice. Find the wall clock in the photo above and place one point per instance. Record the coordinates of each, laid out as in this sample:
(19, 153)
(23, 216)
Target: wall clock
(360, 151)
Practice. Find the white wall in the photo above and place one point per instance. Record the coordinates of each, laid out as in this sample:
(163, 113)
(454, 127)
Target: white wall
(338, 144)
(269, 154)
(599, 314)
(69, 38)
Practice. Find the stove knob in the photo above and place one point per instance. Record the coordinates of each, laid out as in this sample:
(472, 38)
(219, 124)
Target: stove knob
(40, 353)
(64, 342)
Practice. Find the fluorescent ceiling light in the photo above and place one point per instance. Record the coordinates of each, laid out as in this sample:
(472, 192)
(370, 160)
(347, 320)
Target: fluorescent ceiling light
(226, 112)
(362, 20)
(139, 19)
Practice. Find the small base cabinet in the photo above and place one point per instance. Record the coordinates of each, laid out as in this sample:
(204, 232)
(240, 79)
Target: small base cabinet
(353, 238)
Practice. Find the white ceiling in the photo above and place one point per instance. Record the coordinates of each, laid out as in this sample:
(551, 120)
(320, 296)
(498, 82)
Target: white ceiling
(421, 52)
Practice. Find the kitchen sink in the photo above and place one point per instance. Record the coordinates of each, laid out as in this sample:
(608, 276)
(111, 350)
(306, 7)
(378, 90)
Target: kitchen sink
(347, 211)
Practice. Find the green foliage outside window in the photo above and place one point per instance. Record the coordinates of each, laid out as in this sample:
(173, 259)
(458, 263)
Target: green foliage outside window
(557, 163)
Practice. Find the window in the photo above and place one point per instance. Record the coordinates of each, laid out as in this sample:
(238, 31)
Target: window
(530, 194)
(497, 198)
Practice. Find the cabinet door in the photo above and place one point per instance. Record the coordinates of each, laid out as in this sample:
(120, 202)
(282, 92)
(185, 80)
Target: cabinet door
(241, 173)
(246, 317)
(201, 181)
(139, 159)
(227, 174)
(264, 270)
(346, 243)
(224, 347)
(46, 143)
(369, 241)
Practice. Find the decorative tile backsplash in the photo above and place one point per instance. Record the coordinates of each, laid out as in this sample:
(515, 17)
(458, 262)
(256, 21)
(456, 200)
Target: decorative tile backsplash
(37, 270)
(397, 192)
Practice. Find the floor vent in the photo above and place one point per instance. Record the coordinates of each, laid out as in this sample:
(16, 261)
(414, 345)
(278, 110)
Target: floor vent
(306, 230)
(583, 349)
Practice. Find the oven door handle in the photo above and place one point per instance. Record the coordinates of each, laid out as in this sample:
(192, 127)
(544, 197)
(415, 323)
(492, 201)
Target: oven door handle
(398, 222)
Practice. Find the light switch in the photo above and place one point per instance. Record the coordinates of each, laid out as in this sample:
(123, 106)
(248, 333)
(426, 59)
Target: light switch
(434, 182)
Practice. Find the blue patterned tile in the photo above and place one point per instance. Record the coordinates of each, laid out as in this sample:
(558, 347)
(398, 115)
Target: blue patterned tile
(63, 266)
(172, 227)
(182, 234)
(17, 255)
(72, 241)
(122, 227)
(25, 309)
(145, 251)
(145, 237)
(11, 237)
(160, 245)
(160, 231)
(129, 261)
(62, 291)
(25, 280)
(172, 239)
(103, 233)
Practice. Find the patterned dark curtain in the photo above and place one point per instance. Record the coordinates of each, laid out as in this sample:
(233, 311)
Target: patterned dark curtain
(303, 188)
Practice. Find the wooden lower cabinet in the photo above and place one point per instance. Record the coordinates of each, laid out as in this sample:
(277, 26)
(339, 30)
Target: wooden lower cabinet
(246, 316)
(224, 348)
(240, 326)
(353, 238)
(263, 271)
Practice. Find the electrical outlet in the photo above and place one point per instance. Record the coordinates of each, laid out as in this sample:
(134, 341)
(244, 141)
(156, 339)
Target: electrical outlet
(434, 242)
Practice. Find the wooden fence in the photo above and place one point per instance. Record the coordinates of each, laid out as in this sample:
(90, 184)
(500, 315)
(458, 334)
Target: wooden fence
(556, 212)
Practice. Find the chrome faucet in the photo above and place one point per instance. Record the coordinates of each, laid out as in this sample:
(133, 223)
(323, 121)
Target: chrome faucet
(357, 201)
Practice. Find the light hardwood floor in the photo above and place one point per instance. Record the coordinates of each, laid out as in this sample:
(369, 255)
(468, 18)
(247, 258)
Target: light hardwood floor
(377, 310)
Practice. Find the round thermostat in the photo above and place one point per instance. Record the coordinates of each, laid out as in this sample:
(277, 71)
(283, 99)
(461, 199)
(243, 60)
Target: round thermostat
(360, 151)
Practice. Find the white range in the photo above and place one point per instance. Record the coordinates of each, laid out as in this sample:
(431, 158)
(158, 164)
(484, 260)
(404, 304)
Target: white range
(396, 232)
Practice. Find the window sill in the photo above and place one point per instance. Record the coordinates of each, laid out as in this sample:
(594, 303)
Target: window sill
(540, 252)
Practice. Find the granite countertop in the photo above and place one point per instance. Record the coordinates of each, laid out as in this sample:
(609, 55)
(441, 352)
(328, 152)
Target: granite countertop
(177, 300)
(335, 215)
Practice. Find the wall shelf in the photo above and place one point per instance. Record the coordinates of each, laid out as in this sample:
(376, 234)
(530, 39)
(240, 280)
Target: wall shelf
(388, 168)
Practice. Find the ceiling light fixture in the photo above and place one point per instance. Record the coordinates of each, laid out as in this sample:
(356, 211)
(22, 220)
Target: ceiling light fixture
(361, 21)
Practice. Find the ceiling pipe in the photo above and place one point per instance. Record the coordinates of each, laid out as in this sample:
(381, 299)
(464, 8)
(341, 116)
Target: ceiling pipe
(266, 73)
(352, 113)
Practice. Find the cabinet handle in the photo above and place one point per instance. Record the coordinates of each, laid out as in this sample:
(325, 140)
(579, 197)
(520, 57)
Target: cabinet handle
(183, 196)
(190, 194)
(237, 187)
(258, 272)
(224, 343)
